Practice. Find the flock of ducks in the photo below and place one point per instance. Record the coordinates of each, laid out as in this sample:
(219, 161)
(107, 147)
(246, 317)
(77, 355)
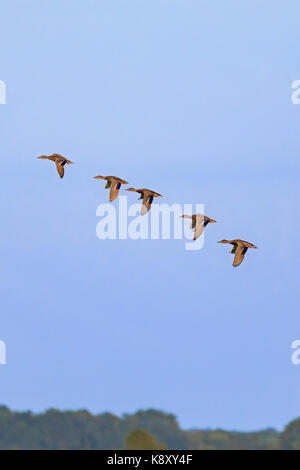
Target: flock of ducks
(199, 221)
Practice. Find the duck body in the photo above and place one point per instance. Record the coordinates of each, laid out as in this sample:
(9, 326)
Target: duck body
(199, 222)
(114, 183)
(147, 195)
(59, 160)
(239, 249)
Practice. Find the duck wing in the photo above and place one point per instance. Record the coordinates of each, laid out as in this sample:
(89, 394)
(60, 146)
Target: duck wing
(114, 190)
(147, 201)
(60, 169)
(198, 223)
(240, 252)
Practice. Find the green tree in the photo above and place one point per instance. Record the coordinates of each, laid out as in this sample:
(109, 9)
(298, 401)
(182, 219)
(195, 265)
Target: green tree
(290, 437)
(162, 425)
(142, 440)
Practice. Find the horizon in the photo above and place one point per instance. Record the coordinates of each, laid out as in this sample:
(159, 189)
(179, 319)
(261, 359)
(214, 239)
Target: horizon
(121, 416)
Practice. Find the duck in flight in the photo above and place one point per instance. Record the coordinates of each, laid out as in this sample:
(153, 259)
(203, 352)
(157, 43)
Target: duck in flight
(114, 183)
(59, 160)
(199, 222)
(239, 249)
(147, 195)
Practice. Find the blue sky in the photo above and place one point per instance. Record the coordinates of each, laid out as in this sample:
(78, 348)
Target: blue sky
(192, 99)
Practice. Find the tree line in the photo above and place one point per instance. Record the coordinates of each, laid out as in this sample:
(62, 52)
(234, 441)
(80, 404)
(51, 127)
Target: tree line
(145, 429)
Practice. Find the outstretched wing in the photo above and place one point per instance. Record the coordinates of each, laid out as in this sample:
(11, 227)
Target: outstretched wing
(60, 169)
(146, 206)
(240, 252)
(114, 190)
(198, 224)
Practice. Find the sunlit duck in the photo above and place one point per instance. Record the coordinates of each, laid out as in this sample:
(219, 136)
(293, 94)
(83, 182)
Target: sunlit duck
(240, 248)
(199, 222)
(114, 183)
(147, 195)
(59, 160)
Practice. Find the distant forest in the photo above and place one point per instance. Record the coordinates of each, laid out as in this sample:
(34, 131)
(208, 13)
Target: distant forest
(146, 429)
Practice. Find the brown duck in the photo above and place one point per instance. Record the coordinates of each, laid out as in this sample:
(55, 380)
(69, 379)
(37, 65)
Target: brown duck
(59, 160)
(114, 183)
(239, 249)
(147, 195)
(199, 222)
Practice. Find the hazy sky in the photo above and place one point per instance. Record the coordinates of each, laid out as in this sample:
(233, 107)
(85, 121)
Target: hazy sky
(193, 99)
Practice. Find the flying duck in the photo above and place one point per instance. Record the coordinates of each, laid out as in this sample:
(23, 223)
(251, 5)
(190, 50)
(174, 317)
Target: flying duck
(147, 195)
(114, 183)
(239, 249)
(199, 222)
(59, 160)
